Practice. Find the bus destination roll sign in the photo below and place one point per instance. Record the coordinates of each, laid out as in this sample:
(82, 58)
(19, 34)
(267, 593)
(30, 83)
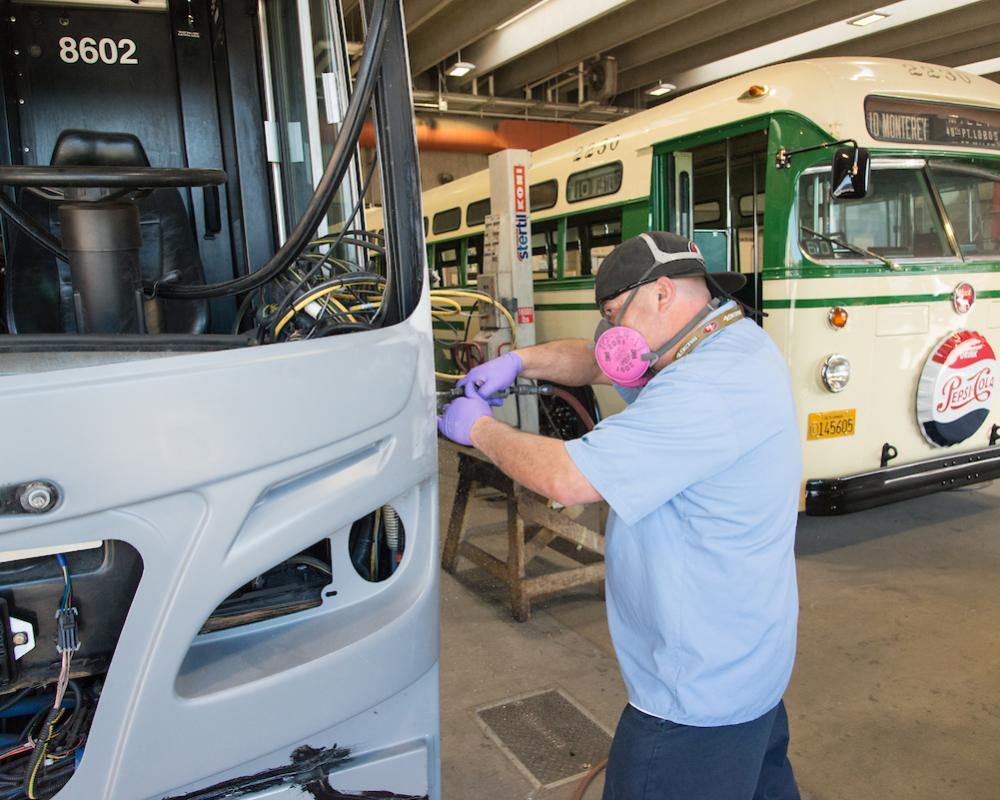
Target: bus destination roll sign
(913, 122)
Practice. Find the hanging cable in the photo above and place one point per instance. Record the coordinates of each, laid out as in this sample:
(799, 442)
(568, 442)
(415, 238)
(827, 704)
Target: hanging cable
(333, 245)
(340, 160)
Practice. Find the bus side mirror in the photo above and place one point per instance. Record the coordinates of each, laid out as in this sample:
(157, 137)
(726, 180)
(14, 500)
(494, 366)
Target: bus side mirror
(851, 173)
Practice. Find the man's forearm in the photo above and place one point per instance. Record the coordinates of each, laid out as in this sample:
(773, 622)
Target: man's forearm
(570, 362)
(537, 462)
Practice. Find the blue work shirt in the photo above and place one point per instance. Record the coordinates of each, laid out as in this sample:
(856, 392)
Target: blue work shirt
(702, 472)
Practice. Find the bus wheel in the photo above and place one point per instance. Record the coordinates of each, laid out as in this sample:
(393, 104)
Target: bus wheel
(559, 414)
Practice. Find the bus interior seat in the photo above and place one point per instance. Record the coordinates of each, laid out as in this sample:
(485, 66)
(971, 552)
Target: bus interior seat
(927, 245)
(40, 284)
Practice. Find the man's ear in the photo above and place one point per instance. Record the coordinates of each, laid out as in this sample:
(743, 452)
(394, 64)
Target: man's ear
(666, 291)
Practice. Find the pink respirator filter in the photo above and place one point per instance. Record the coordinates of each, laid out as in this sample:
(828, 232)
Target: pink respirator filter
(619, 352)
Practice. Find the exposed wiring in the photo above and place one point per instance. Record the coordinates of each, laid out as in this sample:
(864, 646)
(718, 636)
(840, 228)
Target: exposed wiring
(383, 15)
(333, 243)
(39, 751)
(67, 598)
(68, 641)
(312, 297)
(363, 290)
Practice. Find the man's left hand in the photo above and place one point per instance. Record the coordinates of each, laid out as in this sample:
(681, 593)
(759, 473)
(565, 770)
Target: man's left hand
(460, 415)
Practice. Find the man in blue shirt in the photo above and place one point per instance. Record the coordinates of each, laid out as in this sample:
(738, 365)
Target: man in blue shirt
(701, 472)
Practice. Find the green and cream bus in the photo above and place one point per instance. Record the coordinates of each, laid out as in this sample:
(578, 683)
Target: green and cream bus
(885, 307)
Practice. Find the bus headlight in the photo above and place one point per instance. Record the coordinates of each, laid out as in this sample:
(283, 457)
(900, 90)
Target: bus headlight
(836, 372)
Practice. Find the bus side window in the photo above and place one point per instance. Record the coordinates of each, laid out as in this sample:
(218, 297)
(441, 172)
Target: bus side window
(544, 246)
(573, 264)
(446, 263)
(605, 236)
(589, 239)
(474, 259)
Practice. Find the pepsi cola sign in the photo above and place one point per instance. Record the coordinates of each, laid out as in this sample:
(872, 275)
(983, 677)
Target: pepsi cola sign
(955, 393)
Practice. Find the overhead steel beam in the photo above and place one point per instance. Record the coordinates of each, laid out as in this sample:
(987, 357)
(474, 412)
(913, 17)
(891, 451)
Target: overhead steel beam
(458, 26)
(417, 12)
(596, 37)
(907, 37)
(537, 28)
(707, 26)
(959, 49)
(793, 35)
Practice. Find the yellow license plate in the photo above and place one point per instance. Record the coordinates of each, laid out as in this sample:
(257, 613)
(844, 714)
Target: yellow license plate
(829, 424)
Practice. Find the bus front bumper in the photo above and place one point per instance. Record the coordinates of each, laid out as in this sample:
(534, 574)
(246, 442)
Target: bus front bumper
(828, 496)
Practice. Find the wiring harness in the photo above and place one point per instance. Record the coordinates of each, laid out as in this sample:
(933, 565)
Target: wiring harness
(43, 757)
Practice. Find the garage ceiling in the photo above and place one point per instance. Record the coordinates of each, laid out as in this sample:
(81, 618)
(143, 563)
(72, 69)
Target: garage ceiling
(535, 57)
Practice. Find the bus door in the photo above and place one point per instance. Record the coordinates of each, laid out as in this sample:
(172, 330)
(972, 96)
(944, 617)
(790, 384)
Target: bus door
(180, 77)
(218, 541)
(715, 196)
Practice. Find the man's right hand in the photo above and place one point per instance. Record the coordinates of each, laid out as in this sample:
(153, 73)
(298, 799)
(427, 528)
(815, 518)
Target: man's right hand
(494, 376)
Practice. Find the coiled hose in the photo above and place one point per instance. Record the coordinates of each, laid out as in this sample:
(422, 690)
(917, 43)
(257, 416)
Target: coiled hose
(390, 521)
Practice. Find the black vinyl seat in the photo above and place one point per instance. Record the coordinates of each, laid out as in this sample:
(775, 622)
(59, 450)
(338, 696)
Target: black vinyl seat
(40, 285)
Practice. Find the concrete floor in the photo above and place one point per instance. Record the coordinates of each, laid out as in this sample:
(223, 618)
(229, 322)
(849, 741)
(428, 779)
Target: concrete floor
(896, 689)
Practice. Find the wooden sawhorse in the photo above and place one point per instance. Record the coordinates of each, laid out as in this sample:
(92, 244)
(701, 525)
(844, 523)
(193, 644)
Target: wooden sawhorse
(523, 507)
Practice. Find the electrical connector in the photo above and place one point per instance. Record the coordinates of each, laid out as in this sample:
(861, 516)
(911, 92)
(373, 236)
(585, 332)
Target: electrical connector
(69, 638)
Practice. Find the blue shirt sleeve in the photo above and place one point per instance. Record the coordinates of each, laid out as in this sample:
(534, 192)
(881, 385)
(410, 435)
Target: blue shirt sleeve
(673, 435)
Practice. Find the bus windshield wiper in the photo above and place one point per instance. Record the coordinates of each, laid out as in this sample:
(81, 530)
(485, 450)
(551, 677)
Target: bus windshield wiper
(861, 251)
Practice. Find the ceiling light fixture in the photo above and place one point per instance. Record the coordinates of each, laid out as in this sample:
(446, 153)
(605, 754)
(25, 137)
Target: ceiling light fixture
(660, 89)
(867, 19)
(460, 68)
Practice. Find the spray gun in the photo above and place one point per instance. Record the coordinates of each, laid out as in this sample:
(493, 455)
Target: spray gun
(517, 389)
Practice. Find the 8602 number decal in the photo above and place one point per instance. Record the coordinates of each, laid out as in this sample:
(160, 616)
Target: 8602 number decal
(91, 51)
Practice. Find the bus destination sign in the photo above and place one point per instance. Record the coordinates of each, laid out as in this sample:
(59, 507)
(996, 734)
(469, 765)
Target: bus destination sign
(913, 122)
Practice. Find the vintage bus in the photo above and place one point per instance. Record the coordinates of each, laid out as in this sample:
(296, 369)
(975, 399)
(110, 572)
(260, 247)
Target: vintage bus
(885, 306)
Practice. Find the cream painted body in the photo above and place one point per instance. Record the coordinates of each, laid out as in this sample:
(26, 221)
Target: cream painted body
(887, 346)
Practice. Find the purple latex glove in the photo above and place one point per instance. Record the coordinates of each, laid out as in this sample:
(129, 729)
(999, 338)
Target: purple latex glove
(493, 376)
(460, 415)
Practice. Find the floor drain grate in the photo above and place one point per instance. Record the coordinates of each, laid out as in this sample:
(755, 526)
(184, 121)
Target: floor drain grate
(548, 736)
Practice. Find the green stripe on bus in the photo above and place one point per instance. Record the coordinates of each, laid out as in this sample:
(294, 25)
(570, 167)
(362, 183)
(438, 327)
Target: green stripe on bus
(565, 307)
(564, 285)
(875, 300)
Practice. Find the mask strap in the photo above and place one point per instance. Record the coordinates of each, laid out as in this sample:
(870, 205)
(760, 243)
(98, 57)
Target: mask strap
(655, 355)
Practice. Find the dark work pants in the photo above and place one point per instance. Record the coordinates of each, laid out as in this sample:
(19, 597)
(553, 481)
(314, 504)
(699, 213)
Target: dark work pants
(653, 759)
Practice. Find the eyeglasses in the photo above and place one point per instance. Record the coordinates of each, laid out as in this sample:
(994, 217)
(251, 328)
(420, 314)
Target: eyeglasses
(632, 287)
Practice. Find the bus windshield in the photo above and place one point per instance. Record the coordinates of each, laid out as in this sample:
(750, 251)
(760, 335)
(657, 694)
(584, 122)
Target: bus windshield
(971, 196)
(898, 219)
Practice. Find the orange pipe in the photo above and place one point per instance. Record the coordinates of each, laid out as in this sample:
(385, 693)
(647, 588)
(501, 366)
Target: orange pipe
(459, 137)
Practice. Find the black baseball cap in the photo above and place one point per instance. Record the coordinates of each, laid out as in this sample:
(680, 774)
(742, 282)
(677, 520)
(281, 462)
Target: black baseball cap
(648, 256)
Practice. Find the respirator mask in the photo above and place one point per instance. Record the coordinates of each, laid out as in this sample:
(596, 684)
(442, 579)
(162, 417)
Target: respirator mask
(622, 353)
